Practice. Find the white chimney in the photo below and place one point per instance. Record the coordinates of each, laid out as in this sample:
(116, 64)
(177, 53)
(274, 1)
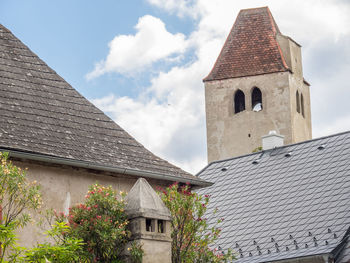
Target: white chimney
(272, 140)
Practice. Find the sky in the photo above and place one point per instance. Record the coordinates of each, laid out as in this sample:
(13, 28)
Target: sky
(142, 61)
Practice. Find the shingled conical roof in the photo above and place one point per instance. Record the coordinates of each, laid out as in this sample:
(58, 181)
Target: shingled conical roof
(251, 47)
(41, 113)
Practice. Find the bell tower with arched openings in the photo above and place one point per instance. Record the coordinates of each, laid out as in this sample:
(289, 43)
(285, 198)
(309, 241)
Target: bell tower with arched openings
(255, 86)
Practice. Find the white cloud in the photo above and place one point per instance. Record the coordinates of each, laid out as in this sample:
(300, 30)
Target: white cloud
(169, 117)
(151, 43)
(340, 124)
(172, 118)
(180, 7)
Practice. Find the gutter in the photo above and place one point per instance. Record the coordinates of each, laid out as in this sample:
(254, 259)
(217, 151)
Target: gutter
(306, 259)
(101, 167)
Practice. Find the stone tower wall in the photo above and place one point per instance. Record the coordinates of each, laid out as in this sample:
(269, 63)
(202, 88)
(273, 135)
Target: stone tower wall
(291, 54)
(230, 134)
(301, 125)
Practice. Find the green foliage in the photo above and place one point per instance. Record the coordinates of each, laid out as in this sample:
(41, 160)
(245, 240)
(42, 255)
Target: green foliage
(257, 149)
(17, 196)
(8, 237)
(101, 223)
(136, 252)
(192, 237)
(64, 249)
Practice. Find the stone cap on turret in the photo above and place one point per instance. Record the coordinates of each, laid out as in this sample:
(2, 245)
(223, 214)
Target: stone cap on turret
(143, 201)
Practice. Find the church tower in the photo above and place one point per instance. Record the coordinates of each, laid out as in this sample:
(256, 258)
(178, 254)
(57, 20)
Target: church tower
(255, 86)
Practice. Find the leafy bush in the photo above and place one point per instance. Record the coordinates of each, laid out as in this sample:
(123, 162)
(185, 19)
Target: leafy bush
(192, 237)
(101, 223)
(17, 197)
(136, 252)
(64, 249)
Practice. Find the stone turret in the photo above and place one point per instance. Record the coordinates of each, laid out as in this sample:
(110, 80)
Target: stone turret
(149, 222)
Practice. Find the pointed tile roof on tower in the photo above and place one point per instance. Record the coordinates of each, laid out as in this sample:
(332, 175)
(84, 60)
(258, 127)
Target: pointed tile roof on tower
(42, 115)
(251, 47)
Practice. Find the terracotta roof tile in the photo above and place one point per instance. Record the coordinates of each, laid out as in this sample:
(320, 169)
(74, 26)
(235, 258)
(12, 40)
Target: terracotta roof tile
(251, 47)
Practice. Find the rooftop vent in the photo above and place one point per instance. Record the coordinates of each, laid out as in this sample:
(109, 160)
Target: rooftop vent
(288, 154)
(321, 147)
(224, 169)
(272, 140)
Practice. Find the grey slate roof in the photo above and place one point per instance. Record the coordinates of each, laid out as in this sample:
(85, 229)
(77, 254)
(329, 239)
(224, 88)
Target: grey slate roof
(41, 113)
(289, 202)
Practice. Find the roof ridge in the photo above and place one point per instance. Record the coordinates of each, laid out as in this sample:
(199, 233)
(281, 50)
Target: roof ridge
(254, 8)
(280, 147)
(277, 31)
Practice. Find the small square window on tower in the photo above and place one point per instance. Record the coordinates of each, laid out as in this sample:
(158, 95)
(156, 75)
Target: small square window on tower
(150, 225)
(161, 226)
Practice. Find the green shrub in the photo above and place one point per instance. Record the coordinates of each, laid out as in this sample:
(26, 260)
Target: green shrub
(64, 249)
(192, 237)
(17, 197)
(101, 223)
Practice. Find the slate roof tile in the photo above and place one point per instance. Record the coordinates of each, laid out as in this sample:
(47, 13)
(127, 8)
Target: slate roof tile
(41, 113)
(305, 196)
